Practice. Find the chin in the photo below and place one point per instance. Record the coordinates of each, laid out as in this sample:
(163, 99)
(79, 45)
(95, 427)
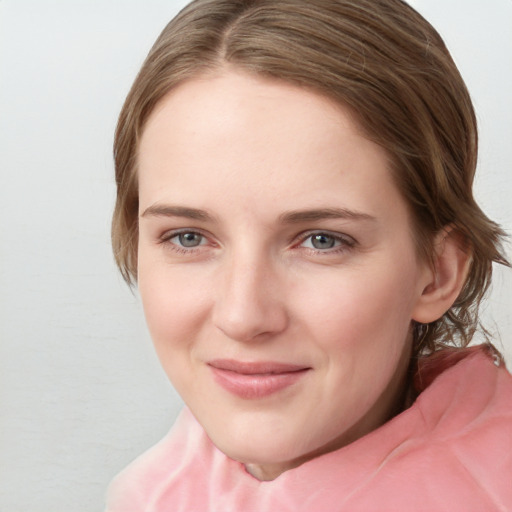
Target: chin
(261, 446)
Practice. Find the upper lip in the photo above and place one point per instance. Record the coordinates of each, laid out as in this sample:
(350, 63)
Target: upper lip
(255, 368)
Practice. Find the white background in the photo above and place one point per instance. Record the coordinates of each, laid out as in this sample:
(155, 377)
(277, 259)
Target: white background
(81, 392)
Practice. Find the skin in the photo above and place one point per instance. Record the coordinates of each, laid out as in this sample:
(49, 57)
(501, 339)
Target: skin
(237, 160)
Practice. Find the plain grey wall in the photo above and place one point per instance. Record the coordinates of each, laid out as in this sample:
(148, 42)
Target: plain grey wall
(81, 392)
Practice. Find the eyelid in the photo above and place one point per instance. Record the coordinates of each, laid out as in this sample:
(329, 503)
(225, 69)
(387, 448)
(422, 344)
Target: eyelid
(346, 241)
(167, 236)
(171, 233)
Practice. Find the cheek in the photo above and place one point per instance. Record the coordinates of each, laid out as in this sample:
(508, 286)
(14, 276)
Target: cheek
(175, 310)
(174, 304)
(360, 323)
(356, 308)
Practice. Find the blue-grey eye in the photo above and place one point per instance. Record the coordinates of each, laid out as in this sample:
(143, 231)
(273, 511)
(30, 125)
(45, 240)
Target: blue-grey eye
(190, 239)
(323, 241)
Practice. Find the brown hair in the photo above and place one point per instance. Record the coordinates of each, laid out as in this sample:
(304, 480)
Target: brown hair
(380, 58)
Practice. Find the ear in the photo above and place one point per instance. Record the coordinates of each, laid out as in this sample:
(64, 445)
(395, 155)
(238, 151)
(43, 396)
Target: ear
(446, 279)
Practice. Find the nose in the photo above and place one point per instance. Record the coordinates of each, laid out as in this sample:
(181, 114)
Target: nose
(250, 301)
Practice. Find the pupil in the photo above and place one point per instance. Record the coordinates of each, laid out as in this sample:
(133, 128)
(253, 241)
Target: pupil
(190, 239)
(322, 241)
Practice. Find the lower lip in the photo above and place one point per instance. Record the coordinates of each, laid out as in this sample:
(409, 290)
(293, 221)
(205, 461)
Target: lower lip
(256, 385)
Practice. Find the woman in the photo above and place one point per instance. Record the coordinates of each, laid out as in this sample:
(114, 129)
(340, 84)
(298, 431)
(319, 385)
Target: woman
(294, 202)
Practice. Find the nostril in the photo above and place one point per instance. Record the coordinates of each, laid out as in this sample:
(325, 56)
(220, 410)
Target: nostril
(251, 321)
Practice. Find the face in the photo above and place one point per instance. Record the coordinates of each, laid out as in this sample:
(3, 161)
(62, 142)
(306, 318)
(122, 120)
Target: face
(277, 268)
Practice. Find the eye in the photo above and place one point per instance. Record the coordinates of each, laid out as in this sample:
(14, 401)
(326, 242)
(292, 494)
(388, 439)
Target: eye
(190, 239)
(322, 241)
(185, 239)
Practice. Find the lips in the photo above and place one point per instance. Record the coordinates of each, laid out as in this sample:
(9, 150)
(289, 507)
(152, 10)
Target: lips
(256, 379)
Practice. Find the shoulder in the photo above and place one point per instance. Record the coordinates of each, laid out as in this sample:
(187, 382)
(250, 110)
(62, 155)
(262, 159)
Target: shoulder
(133, 488)
(464, 451)
(465, 390)
(453, 448)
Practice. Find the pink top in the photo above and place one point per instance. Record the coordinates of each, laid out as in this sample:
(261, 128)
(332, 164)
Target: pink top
(450, 451)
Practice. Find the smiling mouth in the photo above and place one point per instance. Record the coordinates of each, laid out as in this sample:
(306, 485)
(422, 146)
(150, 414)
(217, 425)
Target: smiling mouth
(255, 380)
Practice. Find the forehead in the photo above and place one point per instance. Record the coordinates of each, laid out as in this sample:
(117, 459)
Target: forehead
(260, 141)
(216, 105)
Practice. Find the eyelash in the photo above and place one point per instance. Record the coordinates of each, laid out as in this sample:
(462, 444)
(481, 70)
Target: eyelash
(345, 242)
(166, 239)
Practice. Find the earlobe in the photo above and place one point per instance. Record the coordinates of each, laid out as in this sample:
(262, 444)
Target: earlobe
(451, 264)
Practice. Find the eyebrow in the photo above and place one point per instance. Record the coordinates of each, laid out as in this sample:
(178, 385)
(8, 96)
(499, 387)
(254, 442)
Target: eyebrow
(290, 217)
(296, 216)
(158, 210)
